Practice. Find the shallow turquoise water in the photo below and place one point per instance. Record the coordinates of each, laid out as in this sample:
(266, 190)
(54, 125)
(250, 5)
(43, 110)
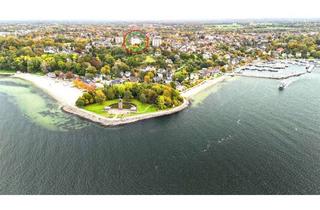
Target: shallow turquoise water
(242, 137)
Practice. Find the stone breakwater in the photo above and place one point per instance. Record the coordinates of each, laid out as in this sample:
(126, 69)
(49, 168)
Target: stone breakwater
(121, 121)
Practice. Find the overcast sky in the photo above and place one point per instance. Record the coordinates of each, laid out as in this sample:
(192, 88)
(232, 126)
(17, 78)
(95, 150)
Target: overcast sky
(132, 10)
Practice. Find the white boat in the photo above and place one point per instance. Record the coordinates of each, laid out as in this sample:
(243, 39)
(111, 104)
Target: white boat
(310, 68)
(283, 84)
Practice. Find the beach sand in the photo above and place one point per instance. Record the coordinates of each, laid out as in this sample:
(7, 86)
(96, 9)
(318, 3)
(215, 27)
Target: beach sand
(203, 86)
(60, 90)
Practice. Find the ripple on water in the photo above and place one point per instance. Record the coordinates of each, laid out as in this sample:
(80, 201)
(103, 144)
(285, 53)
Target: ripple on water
(37, 106)
(198, 98)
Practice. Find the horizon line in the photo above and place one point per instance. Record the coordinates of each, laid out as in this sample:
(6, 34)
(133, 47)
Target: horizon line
(168, 20)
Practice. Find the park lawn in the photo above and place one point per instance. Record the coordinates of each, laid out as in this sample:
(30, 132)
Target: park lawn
(142, 108)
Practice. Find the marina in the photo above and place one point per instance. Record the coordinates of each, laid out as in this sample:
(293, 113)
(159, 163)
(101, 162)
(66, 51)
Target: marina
(282, 69)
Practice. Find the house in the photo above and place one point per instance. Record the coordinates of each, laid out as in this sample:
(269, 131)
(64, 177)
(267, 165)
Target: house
(116, 81)
(284, 55)
(99, 85)
(51, 75)
(169, 61)
(214, 72)
(127, 74)
(135, 40)
(204, 72)
(118, 40)
(134, 79)
(194, 76)
(206, 55)
(157, 79)
(156, 41)
(180, 87)
(298, 55)
(162, 71)
(148, 68)
(280, 50)
(157, 54)
(227, 56)
(50, 50)
(168, 80)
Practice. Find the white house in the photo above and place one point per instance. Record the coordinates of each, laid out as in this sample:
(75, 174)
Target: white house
(118, 40)
(194, 76)
(156, 41)
(135, 40)
(298, 55)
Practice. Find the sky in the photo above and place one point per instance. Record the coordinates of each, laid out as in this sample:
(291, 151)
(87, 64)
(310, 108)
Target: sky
(155, 10)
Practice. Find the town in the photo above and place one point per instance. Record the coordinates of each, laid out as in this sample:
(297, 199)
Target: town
(174, 57)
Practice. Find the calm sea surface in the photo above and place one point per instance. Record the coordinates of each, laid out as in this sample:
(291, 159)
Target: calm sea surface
(242, 137)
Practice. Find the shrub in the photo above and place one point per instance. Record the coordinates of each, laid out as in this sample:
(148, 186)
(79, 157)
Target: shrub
(80, 102)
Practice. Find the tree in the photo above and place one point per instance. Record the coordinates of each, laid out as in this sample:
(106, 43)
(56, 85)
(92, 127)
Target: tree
(147, 79)
(99, 96)
(34, 64)
(105, 69)
(109, 59)
(91, 70)
(119, 67)
(110, 93)
(161, 102)
(143, 98)
(180, 76)
(80, 102)
(127, 95)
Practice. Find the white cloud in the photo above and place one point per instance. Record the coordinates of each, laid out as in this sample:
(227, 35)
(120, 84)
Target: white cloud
(156, 10)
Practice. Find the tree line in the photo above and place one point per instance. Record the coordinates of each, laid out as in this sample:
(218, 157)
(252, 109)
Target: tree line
(163, 96)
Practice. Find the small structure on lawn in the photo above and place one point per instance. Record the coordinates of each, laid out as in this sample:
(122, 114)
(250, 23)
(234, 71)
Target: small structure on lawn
(120, 104)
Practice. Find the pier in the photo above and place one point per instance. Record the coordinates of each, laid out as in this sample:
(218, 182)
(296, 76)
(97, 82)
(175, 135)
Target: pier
(279, 70)
(271, 77)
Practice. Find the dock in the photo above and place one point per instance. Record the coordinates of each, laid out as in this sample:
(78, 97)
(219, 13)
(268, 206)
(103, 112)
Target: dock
(272, 77)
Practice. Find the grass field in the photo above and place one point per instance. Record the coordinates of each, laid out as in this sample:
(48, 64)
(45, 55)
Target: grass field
(142, 108)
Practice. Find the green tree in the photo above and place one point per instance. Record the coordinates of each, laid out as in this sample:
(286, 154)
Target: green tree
(127, 95)
(161, 102)
(105, 69)
(99, 96)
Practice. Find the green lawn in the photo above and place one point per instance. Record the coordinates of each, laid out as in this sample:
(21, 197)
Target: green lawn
(142, 108)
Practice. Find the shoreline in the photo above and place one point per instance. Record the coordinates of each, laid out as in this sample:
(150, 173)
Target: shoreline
(66, 96)
(109, 122)
(204, 85)
(61, 91)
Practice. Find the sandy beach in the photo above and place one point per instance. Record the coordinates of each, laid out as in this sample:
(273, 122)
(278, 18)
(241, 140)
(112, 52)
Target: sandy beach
(60, 90)
(204, 85)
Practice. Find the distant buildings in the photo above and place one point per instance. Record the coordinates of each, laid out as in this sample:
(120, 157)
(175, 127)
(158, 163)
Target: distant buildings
(156, 41)
(118, 40)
